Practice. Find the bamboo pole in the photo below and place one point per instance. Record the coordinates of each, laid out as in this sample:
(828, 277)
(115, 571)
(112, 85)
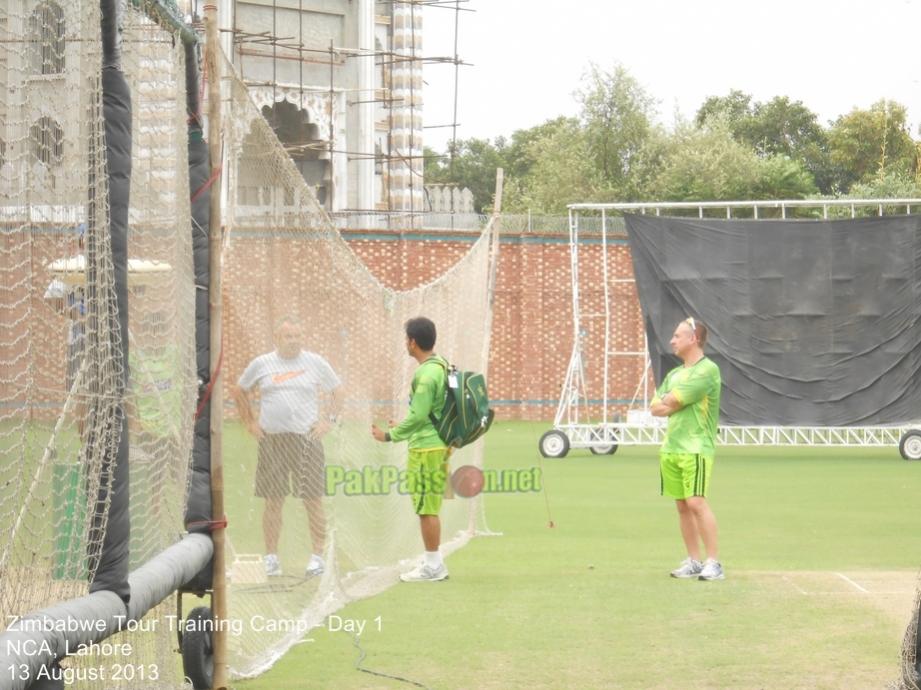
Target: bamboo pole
(219, 583)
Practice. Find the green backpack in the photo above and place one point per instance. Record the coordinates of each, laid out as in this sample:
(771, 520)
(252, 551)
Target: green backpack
(466, 415)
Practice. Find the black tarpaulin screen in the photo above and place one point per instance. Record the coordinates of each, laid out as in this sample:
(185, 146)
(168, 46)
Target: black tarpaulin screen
(811, 322)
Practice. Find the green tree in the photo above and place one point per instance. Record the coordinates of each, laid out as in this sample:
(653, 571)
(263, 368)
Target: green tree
(887, 185)
(866, 143)
(519, 153)
(782, 127)
(705, 163)
(435, 168)
(786, 127)
(709, 164)
(616, 118)
(562, 173)
(733, 109)
(469, 163)
(779, 126)
(781, 177)
(475, 161)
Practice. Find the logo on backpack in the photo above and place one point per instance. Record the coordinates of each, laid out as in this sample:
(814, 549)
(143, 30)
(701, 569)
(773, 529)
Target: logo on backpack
(466, 415)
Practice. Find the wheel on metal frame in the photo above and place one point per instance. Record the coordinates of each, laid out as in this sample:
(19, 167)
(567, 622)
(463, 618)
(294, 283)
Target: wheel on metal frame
(197, 648)
(910, 445)
(609, 435)
(604, 450)
(554, 444)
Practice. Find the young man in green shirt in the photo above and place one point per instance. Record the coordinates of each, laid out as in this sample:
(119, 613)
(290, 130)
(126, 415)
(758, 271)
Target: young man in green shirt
(690, 398)
(428, 455)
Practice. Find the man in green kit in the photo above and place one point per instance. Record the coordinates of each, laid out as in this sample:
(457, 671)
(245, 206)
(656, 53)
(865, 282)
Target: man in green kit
(428, 455)
(690, 398)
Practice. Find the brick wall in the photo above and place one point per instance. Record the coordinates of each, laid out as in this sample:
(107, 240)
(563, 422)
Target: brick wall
(532, 336)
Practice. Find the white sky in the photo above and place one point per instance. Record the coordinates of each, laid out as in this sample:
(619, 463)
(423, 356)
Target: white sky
(528, 56)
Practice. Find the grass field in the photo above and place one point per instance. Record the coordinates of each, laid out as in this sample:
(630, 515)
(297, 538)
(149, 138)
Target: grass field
(821, 550)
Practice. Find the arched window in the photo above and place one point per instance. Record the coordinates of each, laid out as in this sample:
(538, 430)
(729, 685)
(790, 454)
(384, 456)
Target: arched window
(303, 142)
(47, 141)
(46, 36)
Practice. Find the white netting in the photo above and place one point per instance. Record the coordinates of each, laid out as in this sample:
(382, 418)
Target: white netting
(285, 260)
(58, 370)
(56, 349)
(161, 288)
(59, 392)
(163, 384)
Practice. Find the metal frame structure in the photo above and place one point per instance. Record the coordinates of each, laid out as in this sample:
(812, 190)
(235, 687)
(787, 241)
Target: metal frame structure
(572, 430)
(401, 153)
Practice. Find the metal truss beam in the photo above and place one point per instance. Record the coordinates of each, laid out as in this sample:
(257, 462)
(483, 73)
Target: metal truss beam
(599, 436)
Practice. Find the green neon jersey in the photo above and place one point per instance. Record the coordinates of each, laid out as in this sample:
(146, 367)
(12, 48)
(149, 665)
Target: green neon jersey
(692, 429)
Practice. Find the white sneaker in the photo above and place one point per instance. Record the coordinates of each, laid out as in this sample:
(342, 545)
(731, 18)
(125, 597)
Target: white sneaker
(712, 570)
(272, 565)
(426, 573)
(689, 567)
(315, 566)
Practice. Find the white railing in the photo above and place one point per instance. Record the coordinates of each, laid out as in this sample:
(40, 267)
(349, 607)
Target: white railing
(849, 206)
(600, 435)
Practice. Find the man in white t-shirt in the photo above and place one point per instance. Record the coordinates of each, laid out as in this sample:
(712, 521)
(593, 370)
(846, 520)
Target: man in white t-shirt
(290, 428)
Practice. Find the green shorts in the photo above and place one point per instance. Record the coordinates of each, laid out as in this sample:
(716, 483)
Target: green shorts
(685, 475)
(426, 474)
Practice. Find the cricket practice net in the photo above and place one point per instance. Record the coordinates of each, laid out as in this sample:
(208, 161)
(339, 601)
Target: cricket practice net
(285, 262)
(65, 387)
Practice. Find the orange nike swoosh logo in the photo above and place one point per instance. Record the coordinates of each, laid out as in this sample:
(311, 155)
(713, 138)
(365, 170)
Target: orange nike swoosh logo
(287, 376)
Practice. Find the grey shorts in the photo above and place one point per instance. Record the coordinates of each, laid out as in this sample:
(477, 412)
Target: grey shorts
(287, 458)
